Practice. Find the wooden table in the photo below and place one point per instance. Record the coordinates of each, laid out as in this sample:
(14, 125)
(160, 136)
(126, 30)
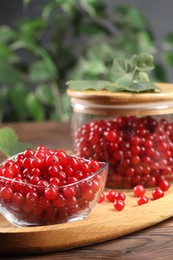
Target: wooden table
(155, 242)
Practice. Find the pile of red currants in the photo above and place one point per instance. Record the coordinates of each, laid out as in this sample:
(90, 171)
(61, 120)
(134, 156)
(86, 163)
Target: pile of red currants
(44, 186)
(139, 150)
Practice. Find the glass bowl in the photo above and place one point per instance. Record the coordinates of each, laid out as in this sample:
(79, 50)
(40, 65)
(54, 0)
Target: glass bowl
(61, 204)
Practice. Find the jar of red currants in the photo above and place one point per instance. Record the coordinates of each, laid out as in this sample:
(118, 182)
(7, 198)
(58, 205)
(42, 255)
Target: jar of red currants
(132, 131)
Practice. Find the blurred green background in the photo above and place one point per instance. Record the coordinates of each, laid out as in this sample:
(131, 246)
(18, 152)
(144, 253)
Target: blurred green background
(49, 42)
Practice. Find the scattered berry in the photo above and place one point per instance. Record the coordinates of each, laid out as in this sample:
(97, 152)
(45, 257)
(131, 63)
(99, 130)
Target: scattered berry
(119, 196)
(164, 185)
(110, 195)
(142, 200)
(157, 193)
(139, 191)
(119, 204)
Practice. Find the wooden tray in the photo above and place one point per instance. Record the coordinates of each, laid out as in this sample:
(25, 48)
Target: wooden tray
(104, 223)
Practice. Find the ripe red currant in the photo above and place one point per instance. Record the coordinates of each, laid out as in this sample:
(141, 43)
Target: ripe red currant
(6, 193)
(110, 195)
(51, 193)
(142, 200)
(119, 204)
(102, 198)
(164, 185)
(139, 191)
(157, 193)
(119, 196)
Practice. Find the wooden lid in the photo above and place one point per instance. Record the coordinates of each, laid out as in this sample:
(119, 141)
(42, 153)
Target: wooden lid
(116, 98)
(105, 103)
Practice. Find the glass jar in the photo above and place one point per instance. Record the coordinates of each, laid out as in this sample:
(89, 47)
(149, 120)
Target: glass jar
(132, 131)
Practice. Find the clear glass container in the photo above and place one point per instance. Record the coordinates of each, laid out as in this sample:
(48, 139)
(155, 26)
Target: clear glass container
(133, 132)
(21, 211)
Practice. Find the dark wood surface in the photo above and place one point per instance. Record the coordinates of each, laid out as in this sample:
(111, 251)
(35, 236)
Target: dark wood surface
(155, 242)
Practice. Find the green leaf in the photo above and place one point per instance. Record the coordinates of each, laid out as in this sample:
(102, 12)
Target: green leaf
(144, 87)
(32, 26)
(39, 72)
(143, 62)
(30, 45)
(88, 84)
(44, 94)
(168, 56)
(128, 74)
(145, 42)
(16, 97)
(6, 34)
(25, 42)
(34, 107)
(121, 67)
(9, 144)
(8, 73)
(47, 9)
(124, 84)
(6, 55)
(143, 76)
(132, 86)
(135, 18)
(49, 63)
(130, 17)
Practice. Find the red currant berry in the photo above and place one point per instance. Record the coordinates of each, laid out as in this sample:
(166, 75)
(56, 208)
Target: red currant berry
(26, 162)
(36, 172)
(43, 203)
(54, 181)
(164, 185)
(6, 193)
(142, 200)
(32, 198)
(83, 204)
(54, 170)
(51, 193)
(34, 179)
(36, 163)
(28, 153)
(17, 199)
(60, 201)
(119, 196)
(69, 192)
(119, 204)
(157, 193)
(8, 173)
(110, 136)
(94, 165)
(88, 195)
(110, 195)
(62, 156)
(102, 198)
(72, 162)
(139, 191)
(51, 160)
